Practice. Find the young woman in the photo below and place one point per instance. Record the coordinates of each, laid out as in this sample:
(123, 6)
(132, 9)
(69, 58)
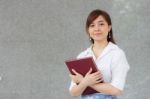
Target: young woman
(109, 58)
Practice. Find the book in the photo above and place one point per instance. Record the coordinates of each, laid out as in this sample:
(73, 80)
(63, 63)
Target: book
(82, 66)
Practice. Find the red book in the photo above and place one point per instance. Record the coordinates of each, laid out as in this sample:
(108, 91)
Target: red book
(82, 66)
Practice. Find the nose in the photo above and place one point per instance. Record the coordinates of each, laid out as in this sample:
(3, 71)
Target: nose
(97, 28)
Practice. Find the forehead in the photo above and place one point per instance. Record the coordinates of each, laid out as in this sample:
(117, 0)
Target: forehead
(99, 19)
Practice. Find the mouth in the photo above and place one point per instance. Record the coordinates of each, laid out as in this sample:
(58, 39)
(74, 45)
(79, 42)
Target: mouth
(97, 33)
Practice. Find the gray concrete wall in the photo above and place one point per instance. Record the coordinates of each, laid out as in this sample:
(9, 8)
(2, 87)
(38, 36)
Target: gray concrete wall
(36, 36)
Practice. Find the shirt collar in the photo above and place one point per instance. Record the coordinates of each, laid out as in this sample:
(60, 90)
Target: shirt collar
(111, 46)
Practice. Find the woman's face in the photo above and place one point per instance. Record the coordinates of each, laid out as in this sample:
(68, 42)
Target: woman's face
(98, 29)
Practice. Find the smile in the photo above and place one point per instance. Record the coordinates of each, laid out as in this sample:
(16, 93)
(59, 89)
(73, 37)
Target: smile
(98, 34)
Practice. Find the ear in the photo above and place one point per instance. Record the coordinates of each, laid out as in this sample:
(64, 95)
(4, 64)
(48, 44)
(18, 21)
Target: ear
(109, 28)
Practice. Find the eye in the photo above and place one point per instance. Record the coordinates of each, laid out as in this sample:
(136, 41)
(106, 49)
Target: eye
(101, 24)
(92, 25)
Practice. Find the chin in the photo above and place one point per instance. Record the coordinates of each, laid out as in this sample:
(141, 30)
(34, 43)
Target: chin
(100, 39)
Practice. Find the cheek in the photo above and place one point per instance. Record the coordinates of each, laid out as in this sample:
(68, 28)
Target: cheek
(106, 30)
(89, 31)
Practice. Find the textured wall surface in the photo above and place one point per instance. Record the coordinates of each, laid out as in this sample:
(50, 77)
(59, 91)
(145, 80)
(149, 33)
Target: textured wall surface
(36, 36)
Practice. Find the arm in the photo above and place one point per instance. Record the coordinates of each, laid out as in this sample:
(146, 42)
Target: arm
(78, 89)
(88, 80)
(119, 69)
(106, 88)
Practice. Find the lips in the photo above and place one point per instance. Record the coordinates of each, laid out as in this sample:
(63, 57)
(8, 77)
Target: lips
(97, 33)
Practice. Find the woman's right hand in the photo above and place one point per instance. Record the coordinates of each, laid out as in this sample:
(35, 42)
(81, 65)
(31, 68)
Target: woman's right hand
(77, 78)
(91, 79)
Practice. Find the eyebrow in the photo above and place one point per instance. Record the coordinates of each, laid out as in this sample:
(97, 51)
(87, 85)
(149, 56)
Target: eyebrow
(98, 21)
(101, 21)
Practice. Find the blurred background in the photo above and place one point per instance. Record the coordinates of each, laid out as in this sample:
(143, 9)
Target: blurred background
(36, 36)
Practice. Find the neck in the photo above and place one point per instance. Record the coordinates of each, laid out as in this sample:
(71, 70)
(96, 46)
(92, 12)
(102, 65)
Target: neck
(100, 44)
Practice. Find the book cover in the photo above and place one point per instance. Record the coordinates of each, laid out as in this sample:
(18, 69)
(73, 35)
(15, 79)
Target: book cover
(82, 66)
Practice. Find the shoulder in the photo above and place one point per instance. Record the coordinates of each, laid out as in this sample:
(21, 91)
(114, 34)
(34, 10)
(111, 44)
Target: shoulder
(117, 52)
(84, 53)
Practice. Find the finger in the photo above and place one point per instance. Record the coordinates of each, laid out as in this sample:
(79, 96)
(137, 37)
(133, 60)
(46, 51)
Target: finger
(99, 72)
(100, 80)
(89, 71)
(71, 75)
(74, 71)
(96, 73)
(97, 77)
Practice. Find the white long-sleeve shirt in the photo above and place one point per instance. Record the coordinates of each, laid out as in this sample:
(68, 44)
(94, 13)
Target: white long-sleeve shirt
(112, 63)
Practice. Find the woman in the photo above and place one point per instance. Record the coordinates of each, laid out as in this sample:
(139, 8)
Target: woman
(109, 58)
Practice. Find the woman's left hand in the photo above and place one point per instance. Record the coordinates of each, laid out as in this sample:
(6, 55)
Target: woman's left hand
(77, 78)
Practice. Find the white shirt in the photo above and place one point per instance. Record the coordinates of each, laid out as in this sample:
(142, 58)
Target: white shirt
(112, 63)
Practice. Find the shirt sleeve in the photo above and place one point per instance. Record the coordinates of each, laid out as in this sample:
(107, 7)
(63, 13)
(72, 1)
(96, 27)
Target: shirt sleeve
(72, 84)
(119, 69)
